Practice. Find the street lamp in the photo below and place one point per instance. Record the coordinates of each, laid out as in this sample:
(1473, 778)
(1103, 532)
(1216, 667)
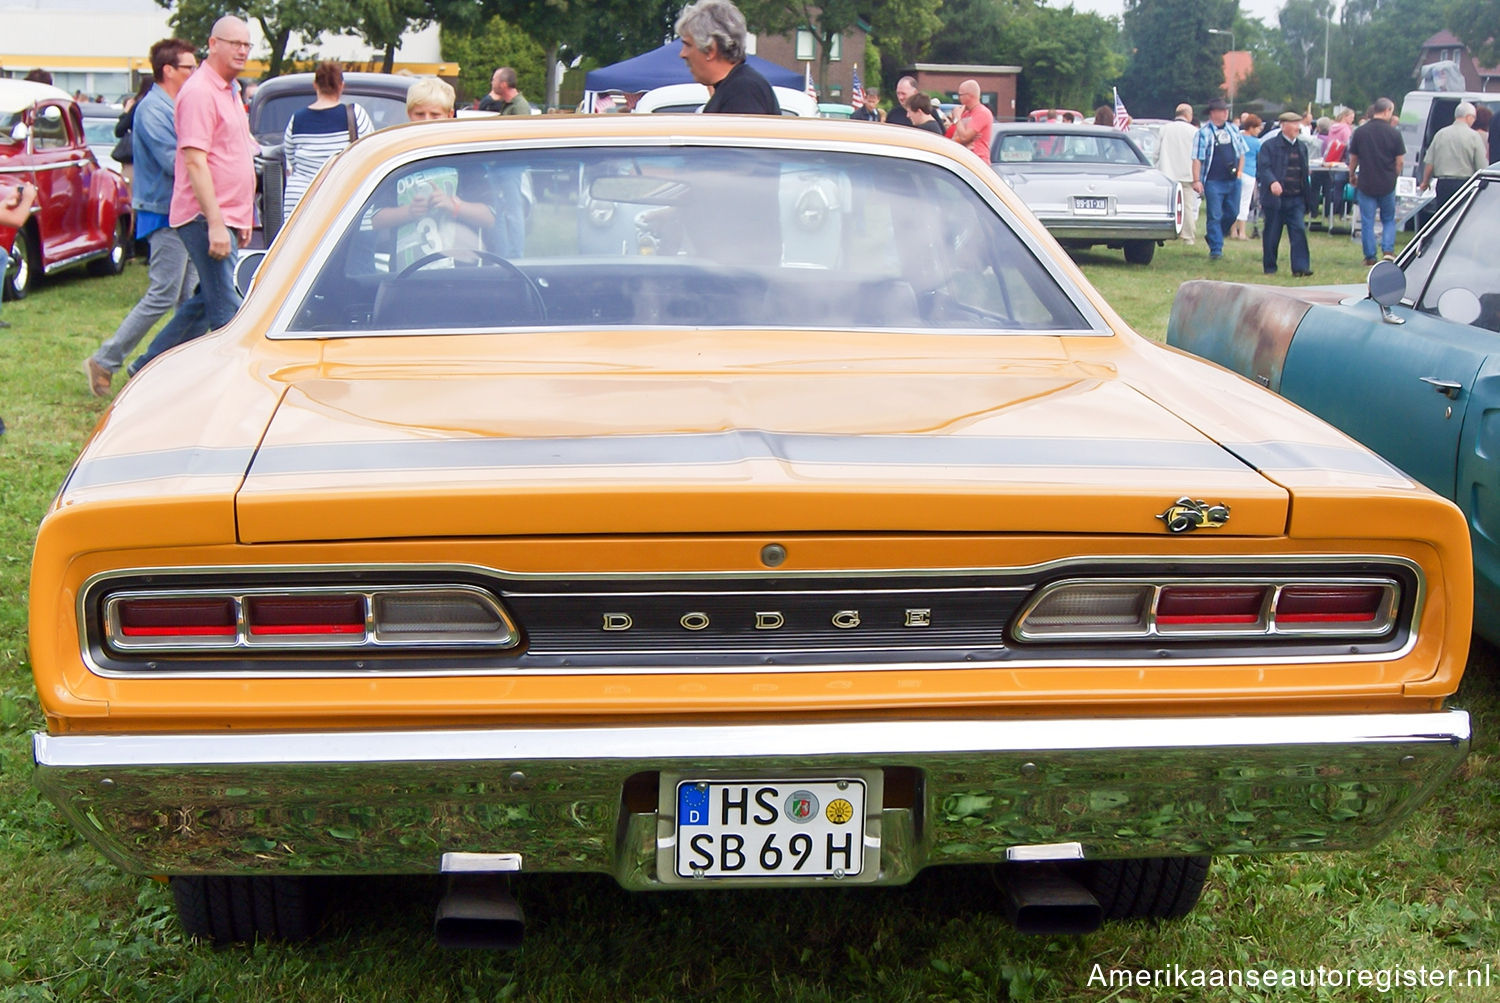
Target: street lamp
(1229, 70)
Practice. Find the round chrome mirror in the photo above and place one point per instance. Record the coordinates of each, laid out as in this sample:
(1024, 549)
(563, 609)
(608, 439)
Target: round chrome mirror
(1460, 306)
(1387, 284)
(245, 269)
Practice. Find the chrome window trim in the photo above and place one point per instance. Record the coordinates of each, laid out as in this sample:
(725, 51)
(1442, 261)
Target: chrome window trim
(1266, 626)
(499, 576)
(280, 326)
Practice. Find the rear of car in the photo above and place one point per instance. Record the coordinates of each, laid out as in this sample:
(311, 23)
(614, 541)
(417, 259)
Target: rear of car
(734, 531)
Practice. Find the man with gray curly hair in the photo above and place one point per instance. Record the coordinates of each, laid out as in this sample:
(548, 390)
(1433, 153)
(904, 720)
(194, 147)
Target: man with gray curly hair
(713, 46)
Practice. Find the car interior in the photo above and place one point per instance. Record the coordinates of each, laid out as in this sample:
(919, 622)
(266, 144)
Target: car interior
(672, 237)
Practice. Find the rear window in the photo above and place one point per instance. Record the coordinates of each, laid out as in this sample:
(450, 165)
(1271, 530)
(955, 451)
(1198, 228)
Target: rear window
(695, 236)
(1060, 148)
(273, 114)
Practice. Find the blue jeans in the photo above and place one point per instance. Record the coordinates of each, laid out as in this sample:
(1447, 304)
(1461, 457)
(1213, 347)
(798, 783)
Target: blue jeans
(1387, 205)
(211, 306)
(170, 275)
(1292, 214)
(1223, 201)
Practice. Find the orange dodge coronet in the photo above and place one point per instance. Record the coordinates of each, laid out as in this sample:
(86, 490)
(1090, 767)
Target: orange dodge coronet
(713, 501)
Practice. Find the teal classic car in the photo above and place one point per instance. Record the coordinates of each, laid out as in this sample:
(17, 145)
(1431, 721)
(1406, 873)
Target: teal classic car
(1416, 378)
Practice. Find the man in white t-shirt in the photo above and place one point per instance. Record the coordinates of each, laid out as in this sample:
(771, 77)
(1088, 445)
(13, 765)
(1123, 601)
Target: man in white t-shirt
(1176, 162)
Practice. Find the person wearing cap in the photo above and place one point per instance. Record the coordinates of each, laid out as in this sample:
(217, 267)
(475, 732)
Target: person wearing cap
(1218, 163)
(1283, 171)
(1455, 153)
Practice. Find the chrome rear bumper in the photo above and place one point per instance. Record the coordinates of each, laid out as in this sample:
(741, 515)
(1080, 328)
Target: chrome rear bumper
(584, 799)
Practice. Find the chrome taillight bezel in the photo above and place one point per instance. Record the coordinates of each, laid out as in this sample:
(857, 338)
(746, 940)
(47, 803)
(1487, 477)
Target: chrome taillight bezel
(245, 637)
(1266, 625)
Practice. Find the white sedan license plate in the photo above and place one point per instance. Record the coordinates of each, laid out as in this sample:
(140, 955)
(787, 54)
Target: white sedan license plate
(770, 828)
(1090, 205)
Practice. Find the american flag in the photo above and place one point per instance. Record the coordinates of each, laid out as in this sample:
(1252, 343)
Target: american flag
(856, 90)
(1122, 117)
(812, 88)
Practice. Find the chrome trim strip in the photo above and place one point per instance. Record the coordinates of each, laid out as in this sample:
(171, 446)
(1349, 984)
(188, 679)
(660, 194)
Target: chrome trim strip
(394, 802)
(279, 328)
(76, 259)
(500, 575)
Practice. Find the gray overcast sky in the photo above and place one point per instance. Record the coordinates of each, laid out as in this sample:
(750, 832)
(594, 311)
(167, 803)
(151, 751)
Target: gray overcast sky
(1265, 10)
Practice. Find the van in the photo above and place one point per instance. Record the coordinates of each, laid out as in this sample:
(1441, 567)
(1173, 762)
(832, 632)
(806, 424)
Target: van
(1425, 112)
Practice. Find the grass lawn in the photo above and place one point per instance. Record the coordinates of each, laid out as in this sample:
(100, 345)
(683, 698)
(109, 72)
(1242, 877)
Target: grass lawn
(75, 928)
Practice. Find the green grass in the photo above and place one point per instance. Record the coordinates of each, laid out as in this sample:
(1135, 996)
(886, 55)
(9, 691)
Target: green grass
(74, 928)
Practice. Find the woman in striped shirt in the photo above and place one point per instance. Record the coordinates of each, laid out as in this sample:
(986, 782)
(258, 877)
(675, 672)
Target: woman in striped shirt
(318, 131)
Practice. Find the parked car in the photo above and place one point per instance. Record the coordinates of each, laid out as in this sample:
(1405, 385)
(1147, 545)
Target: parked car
(834, 109)
(1416, 379)
(82, 210)
(684, 98)
(1423, 113)
(382, 95)
(1089, 185)
(702, 564)
(99, 132)
(1146, 133)
(1059, 116)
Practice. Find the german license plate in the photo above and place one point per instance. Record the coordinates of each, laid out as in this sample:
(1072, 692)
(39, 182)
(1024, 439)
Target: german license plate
(768, 829)
(1090, 205)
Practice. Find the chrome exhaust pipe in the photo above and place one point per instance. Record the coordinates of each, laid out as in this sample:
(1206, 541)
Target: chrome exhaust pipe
(1041, 899)
(478, 912)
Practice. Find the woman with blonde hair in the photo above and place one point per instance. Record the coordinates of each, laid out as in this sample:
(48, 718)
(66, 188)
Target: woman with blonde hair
(319, 131)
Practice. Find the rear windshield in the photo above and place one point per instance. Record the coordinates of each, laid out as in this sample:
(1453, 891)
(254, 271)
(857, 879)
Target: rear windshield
(273, 114)
(1060, 148)
(679, 236)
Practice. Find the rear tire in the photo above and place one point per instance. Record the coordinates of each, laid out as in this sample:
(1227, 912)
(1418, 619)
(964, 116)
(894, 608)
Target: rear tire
(236, 910)
(1140, 252)
(113, 263)
(1147, 888)
(20, 282)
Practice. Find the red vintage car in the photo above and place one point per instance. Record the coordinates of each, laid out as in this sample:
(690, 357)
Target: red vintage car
(82, 210)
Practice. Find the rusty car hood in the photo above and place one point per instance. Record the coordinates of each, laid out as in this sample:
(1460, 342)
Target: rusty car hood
(528, 446)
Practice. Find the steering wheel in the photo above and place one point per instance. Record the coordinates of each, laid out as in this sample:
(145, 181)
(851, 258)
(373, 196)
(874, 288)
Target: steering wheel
(532, 292)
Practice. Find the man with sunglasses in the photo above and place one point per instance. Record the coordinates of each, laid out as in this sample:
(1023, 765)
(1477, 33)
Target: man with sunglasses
(170, 273)
(213, 191)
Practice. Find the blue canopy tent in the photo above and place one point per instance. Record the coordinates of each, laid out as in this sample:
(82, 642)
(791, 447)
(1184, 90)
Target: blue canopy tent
(663, 66)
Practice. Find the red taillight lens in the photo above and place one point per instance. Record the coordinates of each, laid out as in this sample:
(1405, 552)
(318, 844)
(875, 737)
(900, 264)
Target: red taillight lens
(281, 615)
(1334, 604)
(1189, 606)
(186, 617)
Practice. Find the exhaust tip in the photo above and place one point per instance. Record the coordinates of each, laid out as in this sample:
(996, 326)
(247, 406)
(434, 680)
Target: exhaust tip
(478, 913)
(1041, 900)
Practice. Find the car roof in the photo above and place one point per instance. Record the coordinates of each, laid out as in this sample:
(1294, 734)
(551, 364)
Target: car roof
(1057, 129)
(18, 94)
(94, 109)
(795, 101)
(394, 84)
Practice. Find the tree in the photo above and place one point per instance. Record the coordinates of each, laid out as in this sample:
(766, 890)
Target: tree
(278, 21)
(1172, 57)
(488, 46)
(832, 18)
(1477, 22)
(382, 23)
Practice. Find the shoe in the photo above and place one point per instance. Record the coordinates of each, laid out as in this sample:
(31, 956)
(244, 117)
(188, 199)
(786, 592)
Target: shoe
(1369, 262)
(1189, 241)
(1269, 271)
(1387, 257)
(99, 377)
(1215, 257)
(1302, 275)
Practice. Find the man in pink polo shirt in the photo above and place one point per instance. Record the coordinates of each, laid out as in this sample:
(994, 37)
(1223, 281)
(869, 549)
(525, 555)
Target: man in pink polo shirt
(975, 123)
(213, 189)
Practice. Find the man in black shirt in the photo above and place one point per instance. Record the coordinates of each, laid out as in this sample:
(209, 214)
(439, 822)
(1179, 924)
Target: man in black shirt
(713, 46)
(1281, 170)
(1375, 153)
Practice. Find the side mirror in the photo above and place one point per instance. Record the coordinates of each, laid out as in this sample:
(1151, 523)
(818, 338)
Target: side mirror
(1387, 285)
(245, 269)
(20, 132)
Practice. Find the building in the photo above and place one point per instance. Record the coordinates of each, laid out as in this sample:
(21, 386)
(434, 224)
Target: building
(997, 84)
(101, 47)
(1446, 46)
(798, 50)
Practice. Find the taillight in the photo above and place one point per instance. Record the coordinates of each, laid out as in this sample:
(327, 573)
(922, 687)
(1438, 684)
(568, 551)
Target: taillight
(303, 619)
(1207, 609)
